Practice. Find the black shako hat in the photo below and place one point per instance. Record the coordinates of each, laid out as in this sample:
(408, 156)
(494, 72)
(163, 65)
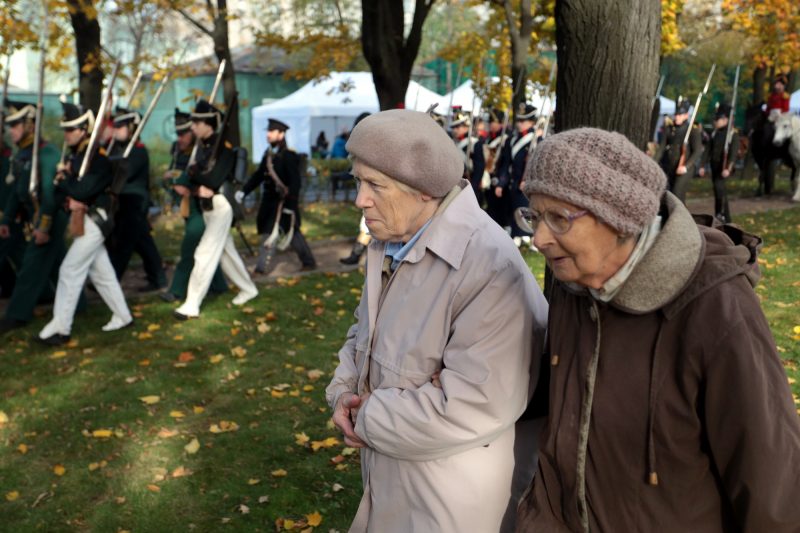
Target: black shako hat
(723, 110)
(526, 111)
(205, 112)
(75, 116)
(18, 111)
(183, 121)
(125, 117)
(683, 106)
(497, 115)
(275, 124)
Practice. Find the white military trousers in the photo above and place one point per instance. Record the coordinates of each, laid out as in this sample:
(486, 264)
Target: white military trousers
(216, 247)
(86, 256)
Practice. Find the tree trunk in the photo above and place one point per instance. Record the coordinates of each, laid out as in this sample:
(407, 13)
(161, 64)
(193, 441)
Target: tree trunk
(223, 51)
(520, 37)
(391, 56)
(87, 45)
(608, 61)
(759, 79)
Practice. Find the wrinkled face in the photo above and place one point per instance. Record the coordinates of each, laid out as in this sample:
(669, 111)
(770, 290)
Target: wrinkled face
(73, 136)
(784, 128)
(185, 139)
(275, 136)
(588, 254)
(18, 130)
(392, 212)
(202, 130)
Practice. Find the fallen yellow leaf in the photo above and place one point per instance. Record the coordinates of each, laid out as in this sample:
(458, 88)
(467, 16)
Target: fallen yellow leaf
(279, 473)
(176, 414)
(277, 394)
(144, 362)
(216, 358)
(153, 327)
(263, 328)
(59, 470)
(223, 427)
(197, 409)
(151, 399)
(101, 433)
(165, 433)
(253, 481)
(186, 357)
(327, 443)
(58, 355)
(238, 351)
(192, 447)
(145, 335)
(315, 374)
(181, 472)
(153, 488)
(22, 448)
(314, 519)
(11, 496)
(3, 418)
(301, 438)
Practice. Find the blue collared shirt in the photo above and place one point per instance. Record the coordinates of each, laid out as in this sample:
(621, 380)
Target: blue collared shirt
(398, 251)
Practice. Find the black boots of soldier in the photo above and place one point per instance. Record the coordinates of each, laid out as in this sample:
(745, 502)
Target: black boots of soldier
(355, 254)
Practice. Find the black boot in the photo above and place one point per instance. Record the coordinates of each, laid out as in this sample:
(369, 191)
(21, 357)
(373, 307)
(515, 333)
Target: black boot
(355, 254)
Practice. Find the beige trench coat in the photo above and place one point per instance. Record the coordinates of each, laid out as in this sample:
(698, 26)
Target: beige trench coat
(462, 302)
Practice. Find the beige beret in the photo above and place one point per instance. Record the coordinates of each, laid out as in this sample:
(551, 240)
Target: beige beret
(410, 147)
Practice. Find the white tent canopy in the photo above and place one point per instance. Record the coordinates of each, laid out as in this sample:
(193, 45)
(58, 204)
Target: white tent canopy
(794, 102)
(464, 96)
(666, 106)
(330, 105)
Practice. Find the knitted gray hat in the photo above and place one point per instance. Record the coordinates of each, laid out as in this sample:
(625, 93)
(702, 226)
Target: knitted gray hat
(601, 171)
(410, 147)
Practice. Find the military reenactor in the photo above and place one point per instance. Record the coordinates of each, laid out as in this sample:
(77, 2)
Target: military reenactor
(89, 203)
(46, 248)
(215, 163)
(13, 245)
(722, 162)
(510, 175)
(279, 171)
(496, 201)
(132, 231)
(472, 147)
(193, 217)
(679, 161)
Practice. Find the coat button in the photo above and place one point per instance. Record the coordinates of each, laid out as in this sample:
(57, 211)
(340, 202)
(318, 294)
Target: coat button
(593, 314)
(554, 360)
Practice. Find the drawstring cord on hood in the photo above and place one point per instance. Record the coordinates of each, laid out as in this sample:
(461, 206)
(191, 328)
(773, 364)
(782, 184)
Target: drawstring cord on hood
(652, 474)
(586, 418)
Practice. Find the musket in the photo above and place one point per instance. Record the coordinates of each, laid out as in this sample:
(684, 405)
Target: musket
(132, 94)
(470, 144)
(697, 104)
(6, 75)
(33, 183)
(504, 131)
(211, 97)
(729, 133)
(146, 117)
(101, 113)
(658, 91)
(548, 100)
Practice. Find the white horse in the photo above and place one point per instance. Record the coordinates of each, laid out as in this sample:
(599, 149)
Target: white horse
(787, 126)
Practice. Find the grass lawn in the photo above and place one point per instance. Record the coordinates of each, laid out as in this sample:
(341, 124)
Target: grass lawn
(220, 424)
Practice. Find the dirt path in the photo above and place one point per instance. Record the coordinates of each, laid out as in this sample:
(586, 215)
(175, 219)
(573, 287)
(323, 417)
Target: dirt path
(743, 205)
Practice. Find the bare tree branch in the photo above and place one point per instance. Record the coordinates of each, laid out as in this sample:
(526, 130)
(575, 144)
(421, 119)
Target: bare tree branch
(195, 23)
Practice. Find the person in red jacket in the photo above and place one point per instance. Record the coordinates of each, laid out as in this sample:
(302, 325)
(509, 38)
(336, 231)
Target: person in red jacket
(779, 98)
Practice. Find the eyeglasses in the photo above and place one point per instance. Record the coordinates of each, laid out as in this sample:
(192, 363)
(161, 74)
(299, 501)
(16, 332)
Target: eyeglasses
(559, 220)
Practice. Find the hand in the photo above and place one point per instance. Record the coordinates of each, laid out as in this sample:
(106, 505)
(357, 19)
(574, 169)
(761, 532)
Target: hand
(205, 192)
(435, 379)
(702, 172)
(75, 205)
(5, 232)
(239, 196)
(283, 192)
(40, 237)
(342, 418)
(182, 190)
(726, 173)
(681, 170)
(498, 191)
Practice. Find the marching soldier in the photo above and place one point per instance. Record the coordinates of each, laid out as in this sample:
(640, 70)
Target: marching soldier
(496, 201)
(721, 163)
(511, 174)
(89, 203)
(46, 248)
(472, 148)
(131, 227)
(11, 247)
(679, 163)
(193, 217)
(279, 171)
(214, 165)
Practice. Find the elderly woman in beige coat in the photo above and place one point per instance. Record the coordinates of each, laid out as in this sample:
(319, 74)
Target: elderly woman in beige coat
(436, 371)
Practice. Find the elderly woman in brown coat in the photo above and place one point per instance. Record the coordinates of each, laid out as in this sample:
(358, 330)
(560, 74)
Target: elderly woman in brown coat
(435, 372)
(669, 409)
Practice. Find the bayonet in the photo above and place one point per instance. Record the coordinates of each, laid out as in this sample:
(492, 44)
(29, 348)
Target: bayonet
(6, 75)
(697, 104)
(98, 124)
(146, 117)
(131, 96)
(37, 128)
(729, 132)
(548, 100)
(211, 98)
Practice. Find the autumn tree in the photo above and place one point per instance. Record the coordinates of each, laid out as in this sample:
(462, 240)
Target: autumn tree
(608, 56)
(388, 50)
(86, 28)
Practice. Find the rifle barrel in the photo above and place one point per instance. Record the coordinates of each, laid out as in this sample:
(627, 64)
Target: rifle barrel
(37, 128)
(93, 139)
(211, 97)
(146, 117)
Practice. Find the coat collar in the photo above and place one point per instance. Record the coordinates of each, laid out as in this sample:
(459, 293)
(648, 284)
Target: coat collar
(451, 228)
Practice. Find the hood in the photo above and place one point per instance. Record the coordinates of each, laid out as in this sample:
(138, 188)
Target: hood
(690, 256)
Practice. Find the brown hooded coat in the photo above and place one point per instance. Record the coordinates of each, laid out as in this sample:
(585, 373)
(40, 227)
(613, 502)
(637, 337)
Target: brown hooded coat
(669, 408)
